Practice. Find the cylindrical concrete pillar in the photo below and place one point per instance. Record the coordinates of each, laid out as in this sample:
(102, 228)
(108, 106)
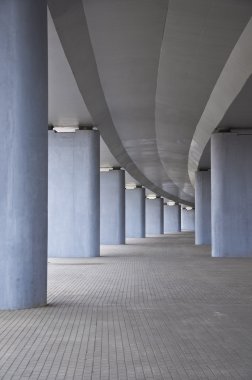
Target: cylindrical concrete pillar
(203, 207)
(135, 213)
(74, 194)
(231, 157)
(172, 219)
(187, 220)
(23, 153)
(154, 216)
(112, 196)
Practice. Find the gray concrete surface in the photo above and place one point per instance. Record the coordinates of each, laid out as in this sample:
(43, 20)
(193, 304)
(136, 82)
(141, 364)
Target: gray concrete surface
(136, 83)
(23, 153)
(112, 198)
(172, 219)
(73, 194)
(129, 131)
(231, 156)
(135, 213)
(187, 220)
(156, 308)
(154, 219)
(203, 207)
(234, 78)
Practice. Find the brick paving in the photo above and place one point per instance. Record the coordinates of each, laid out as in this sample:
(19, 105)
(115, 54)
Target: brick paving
(157, 308)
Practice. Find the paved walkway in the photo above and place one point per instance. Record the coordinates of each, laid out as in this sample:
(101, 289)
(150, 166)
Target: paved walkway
(158, 308)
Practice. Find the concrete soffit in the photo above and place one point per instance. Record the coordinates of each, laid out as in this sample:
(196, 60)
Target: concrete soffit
(232, 79)
(71, 25)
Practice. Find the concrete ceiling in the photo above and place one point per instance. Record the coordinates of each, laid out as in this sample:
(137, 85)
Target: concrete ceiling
(198, 39)
(238, 116)
(229, 100)
(66, 105)
(143, 72)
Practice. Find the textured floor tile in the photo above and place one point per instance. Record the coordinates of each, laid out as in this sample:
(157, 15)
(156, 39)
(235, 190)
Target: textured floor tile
(157, 308)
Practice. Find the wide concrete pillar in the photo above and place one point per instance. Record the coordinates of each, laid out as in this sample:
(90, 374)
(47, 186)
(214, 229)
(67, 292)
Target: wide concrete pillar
(203, 207)
(187, 220)
(154, 216)
(231, 158)
(112, 195)
(23, 153)
(74, 194)
(172, 219)
(135, 213)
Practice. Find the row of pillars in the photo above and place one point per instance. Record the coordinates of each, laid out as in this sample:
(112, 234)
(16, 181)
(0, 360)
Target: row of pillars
(24, 204)
(87, 207)
(223, 196)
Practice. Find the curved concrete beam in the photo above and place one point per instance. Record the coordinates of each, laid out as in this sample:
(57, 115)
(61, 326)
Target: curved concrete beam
(234, 76)
(65, 103)
(71, 25)
(198, 39)
(126, 43)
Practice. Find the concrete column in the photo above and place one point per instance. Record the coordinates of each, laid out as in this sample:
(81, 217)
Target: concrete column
(203, 207)
(172, 219)
(231, 157)
(112, 207)
(187, 220)
(23, 153)
(74, 194)
(135, 213)
(154, 216)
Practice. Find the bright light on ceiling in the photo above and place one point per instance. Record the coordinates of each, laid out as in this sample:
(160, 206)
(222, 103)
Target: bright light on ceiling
(130, 186)
(105, 169)
(171, 203)
(66, 129)
(151, 196)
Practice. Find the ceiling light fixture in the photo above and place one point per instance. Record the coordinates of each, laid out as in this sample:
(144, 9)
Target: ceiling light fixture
(105, 169)
(151, 196)
(130, 186)
(171, 203)
(66, 129)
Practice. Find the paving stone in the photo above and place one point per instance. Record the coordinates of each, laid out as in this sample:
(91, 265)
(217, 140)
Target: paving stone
(157, 308)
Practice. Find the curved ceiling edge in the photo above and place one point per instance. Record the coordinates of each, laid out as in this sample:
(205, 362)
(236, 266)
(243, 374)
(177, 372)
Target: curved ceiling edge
(182, 192)
(233, 77)
(71, 26)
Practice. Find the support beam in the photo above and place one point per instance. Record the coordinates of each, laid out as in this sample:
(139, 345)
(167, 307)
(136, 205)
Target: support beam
(231, 157)
(187, 220)
(23, 153)
(172, 219)
(112, 207)
(74, 194)
(135, 213)
(203, 207)
(154, 216)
